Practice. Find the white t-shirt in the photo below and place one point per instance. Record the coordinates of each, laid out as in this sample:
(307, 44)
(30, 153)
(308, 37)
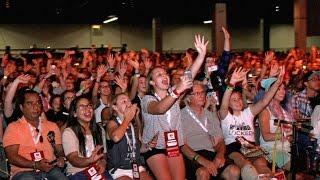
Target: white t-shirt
(237, 126)
(70, 144)
(98, 110)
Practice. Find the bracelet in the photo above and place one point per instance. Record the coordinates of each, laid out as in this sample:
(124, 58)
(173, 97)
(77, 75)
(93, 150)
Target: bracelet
(230, 88)
(196, 157)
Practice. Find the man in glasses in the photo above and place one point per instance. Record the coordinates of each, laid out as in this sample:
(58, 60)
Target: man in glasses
(27, 145)
(204, 147)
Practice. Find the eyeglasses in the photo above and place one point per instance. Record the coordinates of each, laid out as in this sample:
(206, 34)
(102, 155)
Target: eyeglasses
(198, 93)
(83, 106)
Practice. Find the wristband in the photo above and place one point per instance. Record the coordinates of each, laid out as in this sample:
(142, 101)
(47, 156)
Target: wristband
(196, 157)
(172, 94)
(176, 92)
(230, 88)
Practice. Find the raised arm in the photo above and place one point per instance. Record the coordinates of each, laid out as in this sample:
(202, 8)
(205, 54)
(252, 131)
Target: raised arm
(257, 108)
(238, 75)
(116, 132)
(162, 106)
(8, 104)
(101, 70)
(201, 47)
(134, 86)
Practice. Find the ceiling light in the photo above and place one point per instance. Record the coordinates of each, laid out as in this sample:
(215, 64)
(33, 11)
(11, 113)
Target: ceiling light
(110, 19)
(96, 26)
(207, 22)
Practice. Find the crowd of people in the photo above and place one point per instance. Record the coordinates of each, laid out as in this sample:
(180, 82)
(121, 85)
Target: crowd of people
(102, 114)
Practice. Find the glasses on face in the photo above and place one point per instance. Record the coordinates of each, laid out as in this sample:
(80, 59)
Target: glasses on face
(83, 106)
(198, 93)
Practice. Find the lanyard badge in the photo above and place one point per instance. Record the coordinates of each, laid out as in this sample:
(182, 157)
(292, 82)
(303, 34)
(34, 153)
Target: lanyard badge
(37, 156)
(135, 170)
(171, 141)
(92, 173)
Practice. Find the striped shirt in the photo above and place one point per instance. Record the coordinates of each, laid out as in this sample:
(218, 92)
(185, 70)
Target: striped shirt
(159, 123)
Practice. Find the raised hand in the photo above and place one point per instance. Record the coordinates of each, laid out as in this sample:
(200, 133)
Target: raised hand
(122, 68)
(101, 70)
(268, 57)
(147, 63)
(184, 84)
(24, 79)
(134, 64)
(238, 75)
(225, 33)
(121, 82)
(200, 45)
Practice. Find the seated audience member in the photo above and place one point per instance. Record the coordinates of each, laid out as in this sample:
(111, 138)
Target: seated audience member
(238, 123)
(161, 115)
(68, 97)
(299, 104)
(84, 143)
(268, 127)
(32, 143)
(204, 146)
(124, 156)
(11, 110)
(55, 114)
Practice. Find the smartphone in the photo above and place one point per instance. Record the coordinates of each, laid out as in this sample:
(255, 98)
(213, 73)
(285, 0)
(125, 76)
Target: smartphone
(214, 95)
(188, 74)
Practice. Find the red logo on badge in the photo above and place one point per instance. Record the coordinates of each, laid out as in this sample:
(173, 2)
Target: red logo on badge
(171, 141)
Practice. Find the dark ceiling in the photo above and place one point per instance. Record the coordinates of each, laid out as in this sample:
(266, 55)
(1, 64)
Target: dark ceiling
(240, 12)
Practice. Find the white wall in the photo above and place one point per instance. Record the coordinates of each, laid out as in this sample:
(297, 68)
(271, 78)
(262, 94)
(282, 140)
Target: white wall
(281, 36)
(181, 37)
(175, 37)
